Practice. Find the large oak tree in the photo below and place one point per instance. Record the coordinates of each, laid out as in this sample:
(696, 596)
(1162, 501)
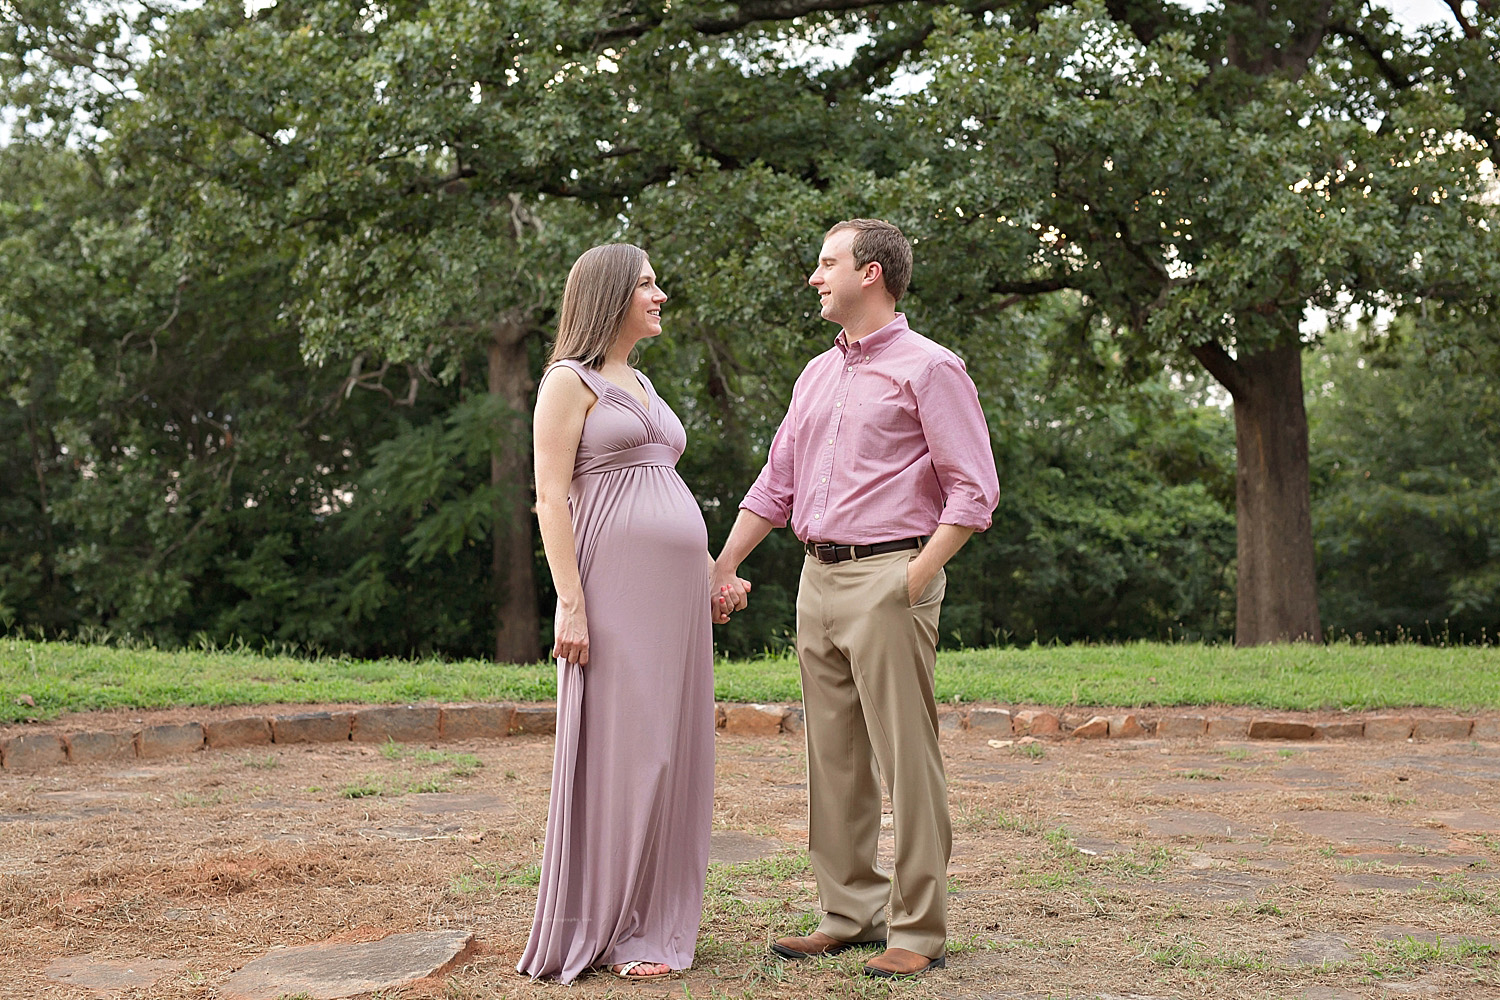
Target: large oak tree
(427, 169)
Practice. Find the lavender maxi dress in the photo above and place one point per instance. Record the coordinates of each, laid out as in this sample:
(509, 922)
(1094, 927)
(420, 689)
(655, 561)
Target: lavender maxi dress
(626, 852)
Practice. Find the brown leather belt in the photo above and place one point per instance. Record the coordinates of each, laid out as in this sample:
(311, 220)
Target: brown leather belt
(828, 552)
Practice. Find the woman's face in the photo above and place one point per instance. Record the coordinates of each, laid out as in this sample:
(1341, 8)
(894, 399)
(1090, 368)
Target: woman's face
(643, 316)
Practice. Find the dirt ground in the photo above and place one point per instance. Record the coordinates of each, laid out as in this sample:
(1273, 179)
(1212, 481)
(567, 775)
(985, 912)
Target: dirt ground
(1135, 868)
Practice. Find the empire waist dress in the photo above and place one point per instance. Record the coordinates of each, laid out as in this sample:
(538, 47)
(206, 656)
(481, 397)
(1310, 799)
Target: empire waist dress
(626, 850)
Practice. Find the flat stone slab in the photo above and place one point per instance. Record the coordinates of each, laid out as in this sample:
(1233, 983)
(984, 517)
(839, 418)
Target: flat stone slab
(332, 971)
(1317, 949)
(109, 974)
(730, 847)
(1311, 778)
(1427, 862)
(1235, 886)
(1100, 847)
(1186, 823)
(443, 803)
(410, 833)
(1382, 883)
(1468, 821)
(1362, 828)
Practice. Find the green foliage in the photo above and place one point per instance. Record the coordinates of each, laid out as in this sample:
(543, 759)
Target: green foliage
(252, 265)
(1407, 490)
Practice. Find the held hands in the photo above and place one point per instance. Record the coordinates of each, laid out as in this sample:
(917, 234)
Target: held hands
(728, 593)
(572, 643)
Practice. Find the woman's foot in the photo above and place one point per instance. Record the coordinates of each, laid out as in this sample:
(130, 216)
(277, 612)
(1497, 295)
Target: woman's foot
(640, 970)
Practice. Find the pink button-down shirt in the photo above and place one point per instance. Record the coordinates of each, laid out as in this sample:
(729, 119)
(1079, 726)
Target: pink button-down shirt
(884, 439)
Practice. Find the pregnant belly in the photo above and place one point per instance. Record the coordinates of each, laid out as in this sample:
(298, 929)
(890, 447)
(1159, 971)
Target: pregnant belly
(647, 511)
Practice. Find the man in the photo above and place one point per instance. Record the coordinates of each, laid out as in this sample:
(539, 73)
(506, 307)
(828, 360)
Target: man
(883, 466)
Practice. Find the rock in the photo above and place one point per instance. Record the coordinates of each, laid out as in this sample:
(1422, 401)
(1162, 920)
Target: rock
(1339, 730)
(1443, 728)
(1281, 729)
(536, 720)
(1388, 727)
(329, 971)
(25, 753)
(1124, 727)
(1227, 727)
(752, 720)
(84, 748)
(396, 724)
(732, 847)
(169, 741)
(312, 727)
(1094, 729)
(1181, 725)
(251, 731)
(469, 722)
(793, 721)
(1485, 729)
(990, 719)
(108, 975)
(1034, 722)
(1318, 949)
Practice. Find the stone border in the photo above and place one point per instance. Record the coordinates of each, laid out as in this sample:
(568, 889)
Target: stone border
(434, 723)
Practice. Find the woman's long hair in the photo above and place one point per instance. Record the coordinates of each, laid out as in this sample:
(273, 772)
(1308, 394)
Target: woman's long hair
(598, 293)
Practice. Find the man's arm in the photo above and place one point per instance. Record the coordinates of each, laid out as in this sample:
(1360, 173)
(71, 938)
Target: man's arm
(942, 546)
(750, 529)
(959, 446)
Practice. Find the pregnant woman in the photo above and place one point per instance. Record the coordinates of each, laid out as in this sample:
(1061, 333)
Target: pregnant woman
(626, 852)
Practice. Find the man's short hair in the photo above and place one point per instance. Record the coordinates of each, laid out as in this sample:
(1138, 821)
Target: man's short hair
(877, 240)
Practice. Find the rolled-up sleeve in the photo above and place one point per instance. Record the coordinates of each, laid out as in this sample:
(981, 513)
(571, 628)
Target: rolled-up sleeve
(959, 443)
(771, 495)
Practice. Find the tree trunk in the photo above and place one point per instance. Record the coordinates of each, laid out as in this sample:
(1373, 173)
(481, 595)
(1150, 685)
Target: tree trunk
(517, 627)
(1276, 595)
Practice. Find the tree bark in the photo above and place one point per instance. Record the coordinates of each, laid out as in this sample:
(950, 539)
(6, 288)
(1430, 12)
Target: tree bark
(517, 627)
(1276, 595)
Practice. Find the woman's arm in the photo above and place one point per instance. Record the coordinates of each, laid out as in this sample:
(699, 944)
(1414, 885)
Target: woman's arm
(562, 403)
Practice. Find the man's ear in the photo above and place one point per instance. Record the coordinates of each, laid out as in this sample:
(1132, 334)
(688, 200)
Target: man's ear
(873, 273)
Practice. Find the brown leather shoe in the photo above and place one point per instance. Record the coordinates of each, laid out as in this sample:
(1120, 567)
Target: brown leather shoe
(898, 963)
(817, 944)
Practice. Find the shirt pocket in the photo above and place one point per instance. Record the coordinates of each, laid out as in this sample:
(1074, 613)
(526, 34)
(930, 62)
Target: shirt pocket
(884, 431)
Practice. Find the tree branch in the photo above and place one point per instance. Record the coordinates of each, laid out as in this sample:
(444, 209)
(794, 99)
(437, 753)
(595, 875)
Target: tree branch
(1024, 288)
(1470, 31)
(1387, 69)
(1225, 369)
(874, 60)
(743, 14)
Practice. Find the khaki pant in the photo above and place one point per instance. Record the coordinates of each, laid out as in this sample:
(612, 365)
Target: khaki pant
(867, 659)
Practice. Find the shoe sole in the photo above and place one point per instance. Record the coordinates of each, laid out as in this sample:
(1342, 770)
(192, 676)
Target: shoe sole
(782, 951)
(874, 973)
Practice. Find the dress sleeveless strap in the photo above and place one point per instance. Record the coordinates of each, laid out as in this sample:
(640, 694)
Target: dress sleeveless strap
(591, 378)
(651, 453)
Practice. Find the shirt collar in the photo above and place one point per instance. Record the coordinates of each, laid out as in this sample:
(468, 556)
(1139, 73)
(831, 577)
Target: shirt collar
(872, 344)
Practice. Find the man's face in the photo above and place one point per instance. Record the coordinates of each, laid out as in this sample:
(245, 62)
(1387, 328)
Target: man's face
(839, 283)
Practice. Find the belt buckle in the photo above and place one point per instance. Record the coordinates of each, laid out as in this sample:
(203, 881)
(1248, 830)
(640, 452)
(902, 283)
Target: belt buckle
(820, 549)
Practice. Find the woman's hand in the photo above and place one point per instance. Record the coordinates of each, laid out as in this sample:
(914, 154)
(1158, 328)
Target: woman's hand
(572, 642)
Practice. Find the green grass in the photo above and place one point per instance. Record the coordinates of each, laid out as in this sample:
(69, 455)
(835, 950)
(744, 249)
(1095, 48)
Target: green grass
(70, 677)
